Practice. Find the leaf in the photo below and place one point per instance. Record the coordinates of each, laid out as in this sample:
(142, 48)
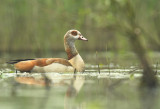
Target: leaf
(131, 76)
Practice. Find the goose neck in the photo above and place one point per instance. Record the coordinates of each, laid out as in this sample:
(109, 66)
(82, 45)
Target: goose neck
(70, 48)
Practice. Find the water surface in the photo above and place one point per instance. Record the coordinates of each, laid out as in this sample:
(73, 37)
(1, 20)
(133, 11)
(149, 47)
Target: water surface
(116, 87)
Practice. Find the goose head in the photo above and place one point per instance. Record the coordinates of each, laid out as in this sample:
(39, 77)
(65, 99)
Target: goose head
(74, 35)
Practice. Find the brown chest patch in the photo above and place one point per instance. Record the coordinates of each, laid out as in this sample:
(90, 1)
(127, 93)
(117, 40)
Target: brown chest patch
(70, 54)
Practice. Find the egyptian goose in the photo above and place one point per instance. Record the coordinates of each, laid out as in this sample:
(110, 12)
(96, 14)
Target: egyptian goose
(43, 65)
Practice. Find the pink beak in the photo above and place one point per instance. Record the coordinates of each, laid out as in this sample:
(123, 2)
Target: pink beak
(82, 38)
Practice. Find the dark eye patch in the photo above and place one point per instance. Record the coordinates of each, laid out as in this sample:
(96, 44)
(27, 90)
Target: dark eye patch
(74, 33)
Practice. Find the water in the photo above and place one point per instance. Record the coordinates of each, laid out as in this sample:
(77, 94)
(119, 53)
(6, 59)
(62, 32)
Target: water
(116, 87)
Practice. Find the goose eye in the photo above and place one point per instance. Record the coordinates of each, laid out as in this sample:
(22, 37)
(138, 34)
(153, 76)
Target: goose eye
(74, 33)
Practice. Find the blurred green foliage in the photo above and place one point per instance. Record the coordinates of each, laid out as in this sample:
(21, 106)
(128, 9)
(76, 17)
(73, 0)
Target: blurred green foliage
(39, 25)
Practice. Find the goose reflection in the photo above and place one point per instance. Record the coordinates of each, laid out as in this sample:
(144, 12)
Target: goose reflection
(73, 90)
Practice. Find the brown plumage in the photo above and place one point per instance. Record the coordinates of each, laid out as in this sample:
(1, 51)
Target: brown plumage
(26, 66)
(55, 64)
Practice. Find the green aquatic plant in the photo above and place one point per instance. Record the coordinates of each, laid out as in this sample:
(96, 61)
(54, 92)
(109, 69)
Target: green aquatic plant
(131, 77)
(97, 62)
(1, 75)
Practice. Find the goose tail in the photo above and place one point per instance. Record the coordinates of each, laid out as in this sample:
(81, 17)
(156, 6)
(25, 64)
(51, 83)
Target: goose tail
(17, 60)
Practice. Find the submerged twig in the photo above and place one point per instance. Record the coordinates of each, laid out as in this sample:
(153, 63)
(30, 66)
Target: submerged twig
(47, 81)
(75, 71)
(74, 77)
(44, 101)
(108, 61)
(156, 71)
(97, 63)
(1, 75)
(116, 83)
(133, 70)
(14, 88)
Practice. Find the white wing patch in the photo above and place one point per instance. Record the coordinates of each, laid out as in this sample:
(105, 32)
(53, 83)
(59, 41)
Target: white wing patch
(54, 67)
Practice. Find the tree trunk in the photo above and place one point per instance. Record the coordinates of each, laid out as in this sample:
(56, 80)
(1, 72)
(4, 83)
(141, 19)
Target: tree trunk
(149, 79)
